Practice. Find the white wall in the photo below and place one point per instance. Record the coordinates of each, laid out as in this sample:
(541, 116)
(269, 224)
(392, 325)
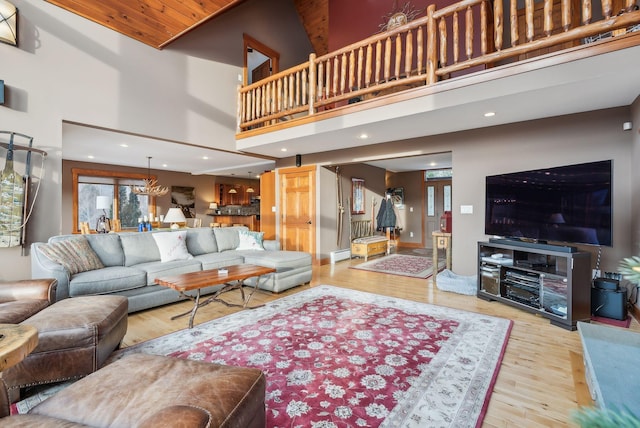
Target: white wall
(326, 221)
(552, 142)
(69, 68)
(557, 141)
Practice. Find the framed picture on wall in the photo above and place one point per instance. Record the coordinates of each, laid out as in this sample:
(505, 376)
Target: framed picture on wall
(397, 196)
(357, 196)
(185, 199)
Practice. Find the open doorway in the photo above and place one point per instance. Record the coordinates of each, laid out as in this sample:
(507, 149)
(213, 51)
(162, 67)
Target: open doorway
(415, 221)
(260, 61)
(437, 197)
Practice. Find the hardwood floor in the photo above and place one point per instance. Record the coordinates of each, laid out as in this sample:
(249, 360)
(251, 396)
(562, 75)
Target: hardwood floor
(541, 380)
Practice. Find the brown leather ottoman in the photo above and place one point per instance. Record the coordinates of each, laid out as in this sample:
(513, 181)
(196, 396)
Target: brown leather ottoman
(75, 338)
(143, 390)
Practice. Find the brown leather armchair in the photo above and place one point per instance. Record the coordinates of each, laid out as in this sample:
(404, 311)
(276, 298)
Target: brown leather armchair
(21, 299)
(75, 335)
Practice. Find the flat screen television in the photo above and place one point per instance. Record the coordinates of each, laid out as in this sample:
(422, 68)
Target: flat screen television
(570, 203)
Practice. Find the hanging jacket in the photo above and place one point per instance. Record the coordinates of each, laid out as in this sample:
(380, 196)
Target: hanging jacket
(386, 216)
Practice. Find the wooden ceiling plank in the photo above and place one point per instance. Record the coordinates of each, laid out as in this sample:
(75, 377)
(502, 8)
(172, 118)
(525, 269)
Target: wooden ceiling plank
(209, 8)
(110, 11)
(107, 14)
(157, 21)
(314, 15)
(203, 9)
(175, 10)
(153, 22)
(134, 25)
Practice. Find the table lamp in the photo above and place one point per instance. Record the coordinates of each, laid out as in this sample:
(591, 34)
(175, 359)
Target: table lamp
(213, 207)
(103, 203)
(174, 216)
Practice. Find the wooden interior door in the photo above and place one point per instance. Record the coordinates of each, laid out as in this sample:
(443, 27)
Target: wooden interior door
(297, 208)
(437, 197)
(271, 66)
(267, 203)
(262, 71)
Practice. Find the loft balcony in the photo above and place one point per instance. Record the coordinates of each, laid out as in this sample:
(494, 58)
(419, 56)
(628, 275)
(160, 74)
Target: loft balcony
(432, 75)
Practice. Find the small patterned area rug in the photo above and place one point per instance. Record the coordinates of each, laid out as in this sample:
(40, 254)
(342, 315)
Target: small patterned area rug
(400, 264)
(334, 357)
(618, 323)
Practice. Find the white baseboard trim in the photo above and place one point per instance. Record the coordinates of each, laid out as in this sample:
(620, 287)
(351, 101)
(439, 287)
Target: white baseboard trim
(339, 255)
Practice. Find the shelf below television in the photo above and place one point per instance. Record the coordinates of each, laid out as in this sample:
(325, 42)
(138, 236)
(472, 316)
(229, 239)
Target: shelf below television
(550, 282)
(537, 245)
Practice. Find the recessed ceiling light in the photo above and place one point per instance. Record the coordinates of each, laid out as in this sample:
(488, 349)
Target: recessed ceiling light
(205, 157)
(433, 164)
(283, 149)
(124, 145)
(91, 156)
(363, 136)
(164, 165)
(490, 114)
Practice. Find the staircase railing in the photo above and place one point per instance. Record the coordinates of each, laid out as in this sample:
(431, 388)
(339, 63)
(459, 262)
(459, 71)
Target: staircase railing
(422, 52)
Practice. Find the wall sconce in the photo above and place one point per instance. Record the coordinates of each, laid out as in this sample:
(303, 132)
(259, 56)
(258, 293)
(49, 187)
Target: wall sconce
(233, 191)
(250, 190)
(8, 23)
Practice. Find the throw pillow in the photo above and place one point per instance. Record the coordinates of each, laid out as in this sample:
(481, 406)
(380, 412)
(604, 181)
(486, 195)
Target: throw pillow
(172, 245)
(75, 254)
(250, 240)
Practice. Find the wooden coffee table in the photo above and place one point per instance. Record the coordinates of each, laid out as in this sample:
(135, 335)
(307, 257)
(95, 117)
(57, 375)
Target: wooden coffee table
(232, 279)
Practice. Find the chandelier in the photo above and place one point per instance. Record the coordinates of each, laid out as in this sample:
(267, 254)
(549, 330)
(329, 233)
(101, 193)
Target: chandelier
(151, 186)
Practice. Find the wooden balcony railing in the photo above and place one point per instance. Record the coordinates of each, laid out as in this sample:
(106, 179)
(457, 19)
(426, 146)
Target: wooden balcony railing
(423, 52)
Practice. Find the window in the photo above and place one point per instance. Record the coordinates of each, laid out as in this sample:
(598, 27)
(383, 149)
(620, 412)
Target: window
(128, 207)
(437, 174)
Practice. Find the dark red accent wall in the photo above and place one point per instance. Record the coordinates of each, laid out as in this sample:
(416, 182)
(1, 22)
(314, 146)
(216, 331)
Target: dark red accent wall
(354, 20)
(351, 21)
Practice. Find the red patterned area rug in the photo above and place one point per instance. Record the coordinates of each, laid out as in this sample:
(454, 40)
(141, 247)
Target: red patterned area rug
(400, 264)
(341, 358)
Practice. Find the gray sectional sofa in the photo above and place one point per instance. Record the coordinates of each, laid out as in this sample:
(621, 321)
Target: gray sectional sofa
(129, 262)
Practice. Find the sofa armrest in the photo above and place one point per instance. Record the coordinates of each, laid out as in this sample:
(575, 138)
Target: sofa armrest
(43, 267)
(38, 289)
(271, 245)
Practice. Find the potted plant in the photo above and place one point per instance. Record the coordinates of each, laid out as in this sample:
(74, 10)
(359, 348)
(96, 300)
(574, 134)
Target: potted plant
(630, 269)
(595, 417)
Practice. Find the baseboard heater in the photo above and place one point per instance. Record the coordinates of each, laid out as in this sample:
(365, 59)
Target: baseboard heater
(339, 255)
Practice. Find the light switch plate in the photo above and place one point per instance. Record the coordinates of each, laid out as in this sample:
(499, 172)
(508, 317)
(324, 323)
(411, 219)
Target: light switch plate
(466, 209)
